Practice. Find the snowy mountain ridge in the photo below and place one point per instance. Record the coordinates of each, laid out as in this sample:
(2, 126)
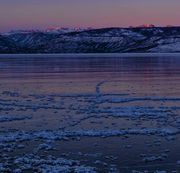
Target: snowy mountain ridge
(105, 40)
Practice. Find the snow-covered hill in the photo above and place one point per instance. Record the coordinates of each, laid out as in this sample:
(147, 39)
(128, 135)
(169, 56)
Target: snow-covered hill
(106, 40)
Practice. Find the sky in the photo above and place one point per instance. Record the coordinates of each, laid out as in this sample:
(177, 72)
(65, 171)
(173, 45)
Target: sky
(42, 14)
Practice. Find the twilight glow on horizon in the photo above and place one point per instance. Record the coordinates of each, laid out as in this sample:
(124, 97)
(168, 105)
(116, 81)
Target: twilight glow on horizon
(42, 14)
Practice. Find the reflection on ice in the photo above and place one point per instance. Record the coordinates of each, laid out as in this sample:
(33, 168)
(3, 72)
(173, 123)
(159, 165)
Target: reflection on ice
(93, 114)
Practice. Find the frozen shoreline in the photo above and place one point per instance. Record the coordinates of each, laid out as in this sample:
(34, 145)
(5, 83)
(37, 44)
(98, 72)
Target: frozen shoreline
(93, 55)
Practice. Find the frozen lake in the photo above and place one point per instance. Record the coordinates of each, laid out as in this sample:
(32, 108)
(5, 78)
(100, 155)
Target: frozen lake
(90, 114)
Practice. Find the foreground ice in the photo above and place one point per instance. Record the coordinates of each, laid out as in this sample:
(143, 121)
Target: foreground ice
(90, 125)
(60, 135)
(47, 165)
(53, 118)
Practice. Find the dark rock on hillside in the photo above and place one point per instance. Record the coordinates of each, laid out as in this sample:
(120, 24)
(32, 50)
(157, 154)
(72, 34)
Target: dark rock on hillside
(106, 40)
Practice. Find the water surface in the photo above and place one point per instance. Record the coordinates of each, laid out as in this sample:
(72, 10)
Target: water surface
(110, 114)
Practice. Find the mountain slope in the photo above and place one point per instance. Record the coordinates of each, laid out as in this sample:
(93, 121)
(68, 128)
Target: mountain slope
(7, 45)
(106, 40)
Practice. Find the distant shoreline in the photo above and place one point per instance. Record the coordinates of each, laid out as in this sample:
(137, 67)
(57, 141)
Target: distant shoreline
(92, 55)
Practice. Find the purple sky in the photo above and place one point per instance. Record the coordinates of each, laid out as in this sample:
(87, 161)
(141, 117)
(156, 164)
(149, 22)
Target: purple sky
(33, 14)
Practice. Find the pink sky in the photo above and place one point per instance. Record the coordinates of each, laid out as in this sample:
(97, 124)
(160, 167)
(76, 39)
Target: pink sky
(41, 14)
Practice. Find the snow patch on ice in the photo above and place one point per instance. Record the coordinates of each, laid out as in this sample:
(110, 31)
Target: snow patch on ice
(52, 164)
(61, 135)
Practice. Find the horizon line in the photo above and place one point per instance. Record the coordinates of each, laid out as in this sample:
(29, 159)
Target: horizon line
(88, 28)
